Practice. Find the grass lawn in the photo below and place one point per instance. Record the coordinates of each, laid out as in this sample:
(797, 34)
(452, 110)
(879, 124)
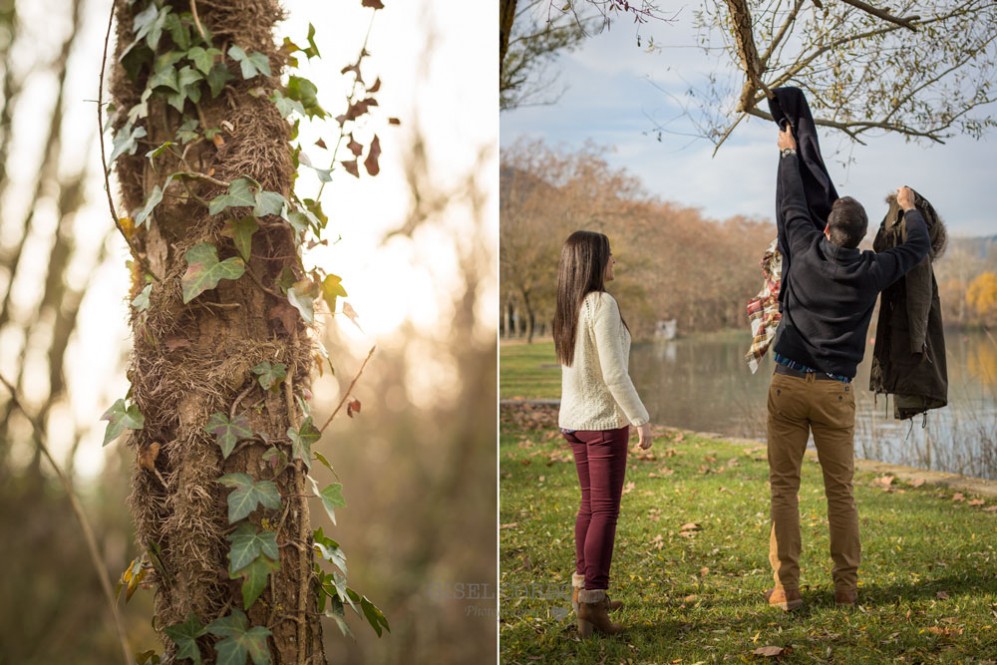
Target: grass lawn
(691, 557)
(529, 371)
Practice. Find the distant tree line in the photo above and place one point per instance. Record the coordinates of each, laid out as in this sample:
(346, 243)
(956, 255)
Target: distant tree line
(673, 262)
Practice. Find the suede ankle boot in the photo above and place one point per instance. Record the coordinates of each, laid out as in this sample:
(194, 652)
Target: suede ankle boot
(593, 613)
(577, 584)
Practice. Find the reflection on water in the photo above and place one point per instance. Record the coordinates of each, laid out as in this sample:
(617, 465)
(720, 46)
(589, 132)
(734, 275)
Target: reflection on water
(704, 384)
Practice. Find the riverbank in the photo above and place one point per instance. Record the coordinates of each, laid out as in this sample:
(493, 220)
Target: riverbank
(702, 384)
(691, 560)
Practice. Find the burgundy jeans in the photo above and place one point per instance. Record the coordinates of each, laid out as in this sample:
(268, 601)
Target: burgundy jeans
(601, 461)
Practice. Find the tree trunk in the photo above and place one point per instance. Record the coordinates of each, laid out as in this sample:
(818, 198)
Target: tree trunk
(192, 360)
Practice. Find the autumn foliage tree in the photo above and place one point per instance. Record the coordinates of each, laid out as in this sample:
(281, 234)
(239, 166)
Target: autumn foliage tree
(982, 297)
(673, 263)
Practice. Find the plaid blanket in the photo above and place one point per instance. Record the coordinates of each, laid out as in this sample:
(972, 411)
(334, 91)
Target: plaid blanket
(763, 309)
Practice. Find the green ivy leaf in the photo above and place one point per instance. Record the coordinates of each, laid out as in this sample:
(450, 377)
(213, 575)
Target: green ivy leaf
(140, 110)
(299, 221)
(120, 417)
(251, 63)
(329, 550)
(302, 90)
(302, 295)
(165, 76)
(332, 497)
(247, 544)
(332, 288)
(254, 579)
(240, 193)
(242, 231)
(184, 636)
(269, 375)
(325, 462)
(141, 301)
(286, 106)
(228, 432)
(314, 208)
(277, 459)
(248, 494)
(204, 270)
(203, 58)
(218, 77)
(240, 641)
(188, 79)
(337, 612)
(126, 140)
(302, 440)
(159, 150)
(375, 617)
(312, 50)
(178, 31)
(155, 198)
(187, 131)
(269, 203)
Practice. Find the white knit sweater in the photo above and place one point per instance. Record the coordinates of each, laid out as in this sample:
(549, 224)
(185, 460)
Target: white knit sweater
(596, 391)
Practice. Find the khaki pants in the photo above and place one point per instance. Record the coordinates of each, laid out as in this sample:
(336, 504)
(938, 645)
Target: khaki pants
(797, 406)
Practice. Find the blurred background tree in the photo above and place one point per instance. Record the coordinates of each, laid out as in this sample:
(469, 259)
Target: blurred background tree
(419, 527)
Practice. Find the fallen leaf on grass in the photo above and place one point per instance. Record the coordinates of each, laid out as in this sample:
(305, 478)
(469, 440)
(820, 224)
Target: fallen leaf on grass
(510, 525)
(975, 502)
(942, 595)
(884, 481)
(690, 529)
(958, 497)
(945, 631)
(646, 457)
(772, 652)
(690, 599)
(663, 472)
(629, 487)
(704, 571)
(917, 482)
(990, 509)
(658, 542)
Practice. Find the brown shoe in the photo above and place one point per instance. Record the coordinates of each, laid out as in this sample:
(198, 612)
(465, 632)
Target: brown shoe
(593, 608)
(846, 597)
(786, 600)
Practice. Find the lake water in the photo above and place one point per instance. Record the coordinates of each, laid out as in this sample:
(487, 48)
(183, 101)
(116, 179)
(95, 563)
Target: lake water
(703, 384)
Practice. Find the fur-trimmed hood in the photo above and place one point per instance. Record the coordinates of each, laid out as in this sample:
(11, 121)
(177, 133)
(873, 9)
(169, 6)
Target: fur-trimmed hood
(892, 225)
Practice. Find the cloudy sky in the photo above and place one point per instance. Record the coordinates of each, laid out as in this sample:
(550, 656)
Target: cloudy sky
(616, 93)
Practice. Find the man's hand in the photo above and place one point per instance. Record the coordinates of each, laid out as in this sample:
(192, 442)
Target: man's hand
(786, 140)
(905, 198)
(644, 436)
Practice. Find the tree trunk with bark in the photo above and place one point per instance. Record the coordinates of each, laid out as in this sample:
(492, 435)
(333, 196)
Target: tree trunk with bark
(194, 359)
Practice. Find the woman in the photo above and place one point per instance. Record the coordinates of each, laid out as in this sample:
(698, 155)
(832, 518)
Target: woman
(598, 406)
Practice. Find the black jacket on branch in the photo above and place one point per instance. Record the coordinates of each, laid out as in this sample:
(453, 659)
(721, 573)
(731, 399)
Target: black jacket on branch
(908, 360)
(789, 105)
(830, 292)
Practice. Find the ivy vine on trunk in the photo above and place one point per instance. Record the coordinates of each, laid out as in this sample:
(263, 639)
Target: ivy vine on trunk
(204, 150)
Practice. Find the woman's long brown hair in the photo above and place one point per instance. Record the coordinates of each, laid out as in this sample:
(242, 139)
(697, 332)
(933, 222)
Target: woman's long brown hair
(581, 270)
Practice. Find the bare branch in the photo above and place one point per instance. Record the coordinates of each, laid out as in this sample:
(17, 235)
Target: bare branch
(906, 22)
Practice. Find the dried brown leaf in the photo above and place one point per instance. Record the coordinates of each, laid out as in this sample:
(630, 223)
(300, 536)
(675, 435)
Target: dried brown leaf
(772, 651)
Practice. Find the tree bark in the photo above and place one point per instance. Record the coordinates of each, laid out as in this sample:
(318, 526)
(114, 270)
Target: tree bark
(191, 360)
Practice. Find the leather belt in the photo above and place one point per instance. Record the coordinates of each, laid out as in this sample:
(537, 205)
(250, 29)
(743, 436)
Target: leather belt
(800, 374)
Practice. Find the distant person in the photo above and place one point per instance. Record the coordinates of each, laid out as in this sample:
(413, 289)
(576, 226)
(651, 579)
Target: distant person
(598, 406)
(829, 294)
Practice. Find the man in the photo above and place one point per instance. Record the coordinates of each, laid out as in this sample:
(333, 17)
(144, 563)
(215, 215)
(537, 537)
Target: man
(829, 294)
